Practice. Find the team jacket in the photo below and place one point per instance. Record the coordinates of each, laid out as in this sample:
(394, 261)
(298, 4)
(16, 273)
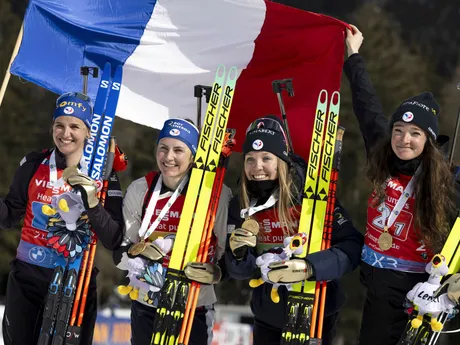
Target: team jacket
(328, 265)
(136, 201)
(29, 191)
(408, 253)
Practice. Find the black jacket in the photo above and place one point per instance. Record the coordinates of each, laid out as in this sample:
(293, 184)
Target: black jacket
(107, 221)
(328, 265)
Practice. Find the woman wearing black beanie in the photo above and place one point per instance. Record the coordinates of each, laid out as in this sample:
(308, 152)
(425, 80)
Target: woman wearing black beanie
(411, 209)
(265, 212)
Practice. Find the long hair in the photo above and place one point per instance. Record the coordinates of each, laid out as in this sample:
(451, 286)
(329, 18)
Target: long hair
(286, 199)
(433, 190)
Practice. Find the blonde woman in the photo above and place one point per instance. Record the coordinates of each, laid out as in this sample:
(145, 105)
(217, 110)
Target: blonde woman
(267, 211)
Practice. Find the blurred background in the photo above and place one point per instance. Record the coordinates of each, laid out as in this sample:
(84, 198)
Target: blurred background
(410, 46)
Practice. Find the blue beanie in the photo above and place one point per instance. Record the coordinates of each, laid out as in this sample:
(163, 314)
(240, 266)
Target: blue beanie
(182, 130)
(74, 104)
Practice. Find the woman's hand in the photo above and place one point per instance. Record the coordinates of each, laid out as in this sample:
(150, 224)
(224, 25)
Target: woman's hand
(354, 40)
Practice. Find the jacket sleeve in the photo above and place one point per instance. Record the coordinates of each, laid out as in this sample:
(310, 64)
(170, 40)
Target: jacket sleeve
(220, 225)
(220, 229)
(246, 267)
(345, 252)
(107, 220)
(13, 207)
(366, 105)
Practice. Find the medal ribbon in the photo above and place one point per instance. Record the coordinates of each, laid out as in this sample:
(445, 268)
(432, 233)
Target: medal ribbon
(401, 201)
(144, 233)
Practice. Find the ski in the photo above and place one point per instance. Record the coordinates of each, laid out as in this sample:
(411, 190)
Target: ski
(321, 287)
(63, 294)
(174, 294)
(189, 314)
(301, 299)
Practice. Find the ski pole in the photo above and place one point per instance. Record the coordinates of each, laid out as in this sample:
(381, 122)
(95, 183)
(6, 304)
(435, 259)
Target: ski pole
(457, 127)
(85, 71)
(278, 87)
(199, 91)
(192, 301)
(88, 258)
(92, 252)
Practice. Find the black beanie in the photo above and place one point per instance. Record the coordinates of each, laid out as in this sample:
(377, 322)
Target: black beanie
(266, 134)
(422, 111)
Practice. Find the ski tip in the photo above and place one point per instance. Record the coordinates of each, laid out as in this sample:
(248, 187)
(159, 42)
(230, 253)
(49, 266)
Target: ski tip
(220, 71)
(335, 99)
(233, 74)
(322, 95)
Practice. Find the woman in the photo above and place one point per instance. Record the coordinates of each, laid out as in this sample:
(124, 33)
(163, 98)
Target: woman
(161, 194)
(271, 194)
(412, 205)
(36, 181)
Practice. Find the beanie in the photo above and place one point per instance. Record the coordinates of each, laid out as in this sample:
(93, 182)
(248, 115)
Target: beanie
(422, 111)
(74, 104)
(267, 134)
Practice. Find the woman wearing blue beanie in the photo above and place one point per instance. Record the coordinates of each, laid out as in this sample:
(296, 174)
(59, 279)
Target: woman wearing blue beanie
(152, 208)
(35, 183)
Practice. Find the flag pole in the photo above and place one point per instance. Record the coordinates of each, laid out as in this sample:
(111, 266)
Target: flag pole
(8, 74)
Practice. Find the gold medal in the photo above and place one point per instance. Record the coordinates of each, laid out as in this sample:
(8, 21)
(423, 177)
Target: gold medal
(251, 225)
(137, 248)
(385, 240)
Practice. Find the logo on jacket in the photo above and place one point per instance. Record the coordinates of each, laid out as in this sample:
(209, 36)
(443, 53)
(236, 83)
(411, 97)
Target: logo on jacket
(37, 254)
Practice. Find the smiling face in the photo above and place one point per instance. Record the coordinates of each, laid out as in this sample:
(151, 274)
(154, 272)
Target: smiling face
(407, 140)
(260, 166)
(173, 158)
(69, 134)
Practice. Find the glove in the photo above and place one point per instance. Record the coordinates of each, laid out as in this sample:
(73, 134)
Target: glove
(244, 237)
(452, 287)
(83, 184)
(289, 272)
(147, 250)
(203, 272)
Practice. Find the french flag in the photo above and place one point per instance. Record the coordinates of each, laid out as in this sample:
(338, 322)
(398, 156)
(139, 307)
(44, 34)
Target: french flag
(168, 46)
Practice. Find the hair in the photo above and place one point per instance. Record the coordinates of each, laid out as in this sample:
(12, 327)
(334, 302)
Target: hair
(434, 188)
(286, 200)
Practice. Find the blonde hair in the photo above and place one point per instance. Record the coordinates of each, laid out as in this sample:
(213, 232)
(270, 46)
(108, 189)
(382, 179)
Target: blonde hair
(286, 214)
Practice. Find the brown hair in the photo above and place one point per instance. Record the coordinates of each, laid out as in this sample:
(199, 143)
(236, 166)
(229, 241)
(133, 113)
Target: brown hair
(286, 200)
(433, 191)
